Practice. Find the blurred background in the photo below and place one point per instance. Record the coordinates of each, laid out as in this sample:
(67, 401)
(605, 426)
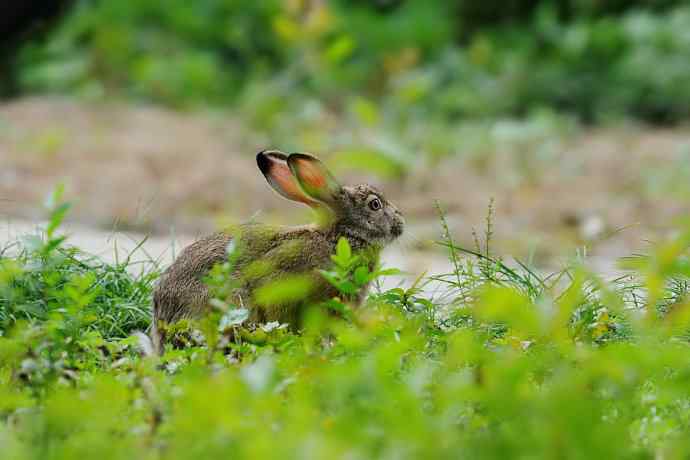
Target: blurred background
(571, 115)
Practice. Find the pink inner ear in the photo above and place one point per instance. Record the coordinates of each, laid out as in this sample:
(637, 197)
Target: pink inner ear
(282, 180)
(311, 174)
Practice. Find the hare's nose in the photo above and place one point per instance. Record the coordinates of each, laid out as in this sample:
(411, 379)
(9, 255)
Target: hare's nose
(399, 217)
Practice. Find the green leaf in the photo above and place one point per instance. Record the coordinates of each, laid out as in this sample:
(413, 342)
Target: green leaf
(337, 306)
(361, 275)
(343, 250)
(285, 290)
(55, 198)
(56, 218)
(331, 277)
(340, 49)
(52, 244)
(347, 287)
(387, 272)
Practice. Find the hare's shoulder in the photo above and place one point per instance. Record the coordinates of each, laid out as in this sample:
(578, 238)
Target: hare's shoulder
(309, 237)
(286, 248)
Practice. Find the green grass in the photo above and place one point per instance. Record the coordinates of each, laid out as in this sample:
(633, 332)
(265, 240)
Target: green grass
(35, 288)
(42, 278)
(501, 362)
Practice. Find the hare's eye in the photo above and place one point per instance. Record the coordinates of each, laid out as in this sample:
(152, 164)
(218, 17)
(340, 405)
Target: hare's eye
(375, 204)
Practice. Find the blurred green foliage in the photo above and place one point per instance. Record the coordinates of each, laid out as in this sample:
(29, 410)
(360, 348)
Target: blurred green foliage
(433, 60)
(495, 362)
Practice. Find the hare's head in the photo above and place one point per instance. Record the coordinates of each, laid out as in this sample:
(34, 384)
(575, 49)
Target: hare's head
(360, 211)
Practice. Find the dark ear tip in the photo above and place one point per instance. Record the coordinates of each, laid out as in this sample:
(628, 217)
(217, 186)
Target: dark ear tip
(263, 162)
(265, 157)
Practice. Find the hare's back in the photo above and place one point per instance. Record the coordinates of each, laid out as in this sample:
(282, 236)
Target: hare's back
(181, 292)
(202, 255)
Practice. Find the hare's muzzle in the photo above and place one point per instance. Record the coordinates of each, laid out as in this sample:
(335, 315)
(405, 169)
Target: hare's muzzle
(398, 224)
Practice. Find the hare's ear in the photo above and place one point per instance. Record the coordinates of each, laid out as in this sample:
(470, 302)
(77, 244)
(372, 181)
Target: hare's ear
(313, 177)
(273, 165)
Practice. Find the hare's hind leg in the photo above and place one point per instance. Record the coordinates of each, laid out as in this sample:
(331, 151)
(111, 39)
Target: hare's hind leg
(188, 300)
(155, 334)
(156, 339)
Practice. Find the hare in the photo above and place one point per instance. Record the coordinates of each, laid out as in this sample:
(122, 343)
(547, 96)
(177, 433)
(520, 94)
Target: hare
(268, 255)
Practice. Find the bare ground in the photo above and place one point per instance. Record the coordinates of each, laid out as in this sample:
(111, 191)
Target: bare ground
(151, 170)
